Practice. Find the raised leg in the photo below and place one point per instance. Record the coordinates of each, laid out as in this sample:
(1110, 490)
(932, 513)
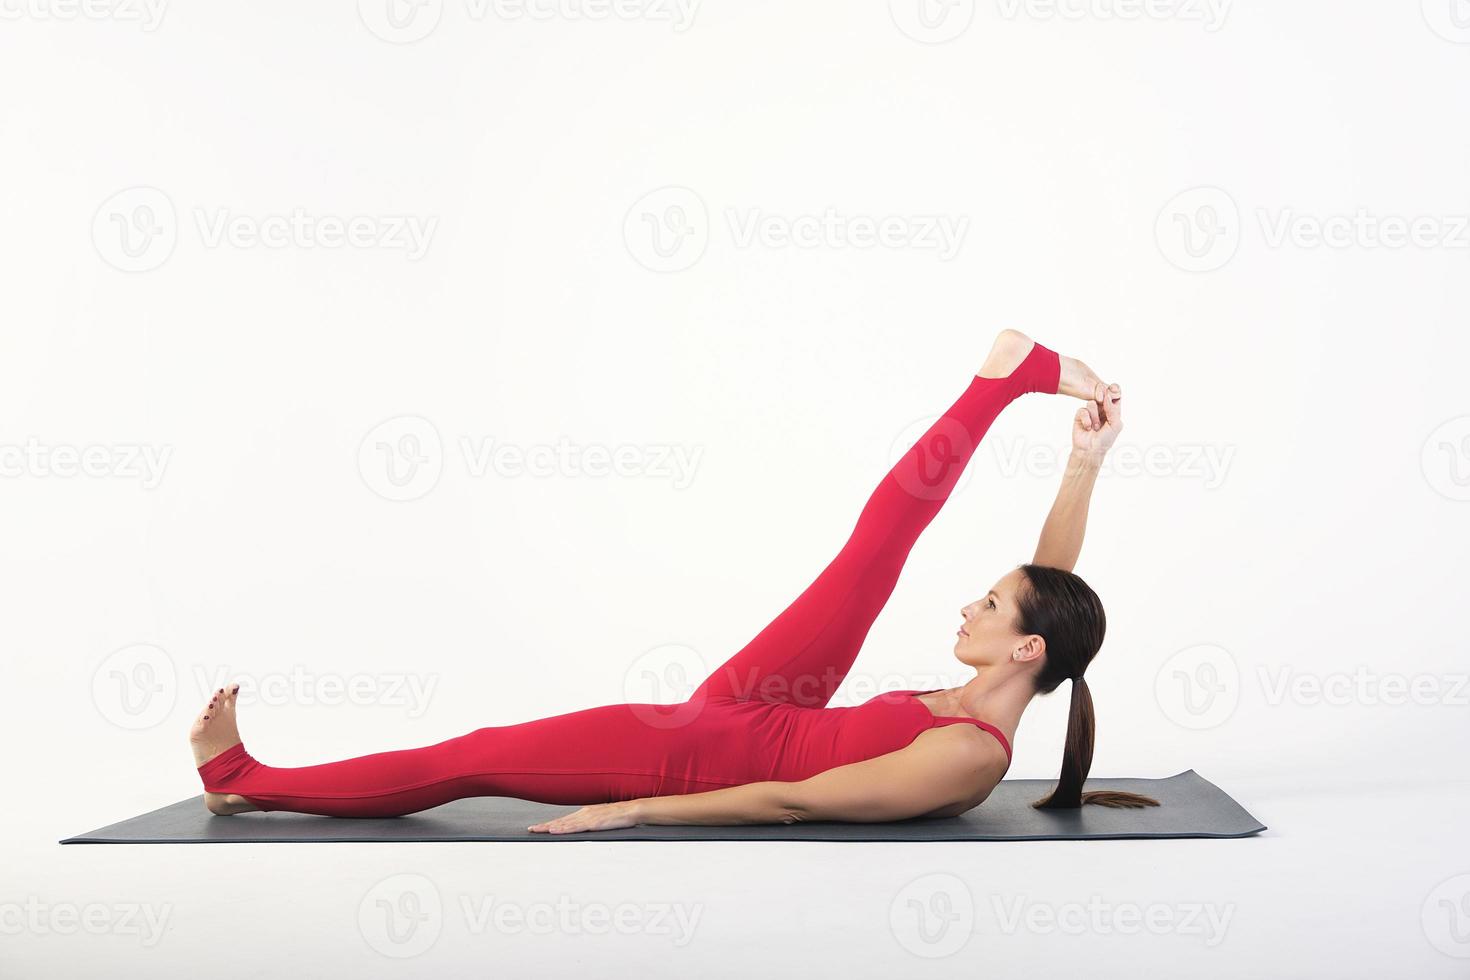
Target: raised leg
(802, 656)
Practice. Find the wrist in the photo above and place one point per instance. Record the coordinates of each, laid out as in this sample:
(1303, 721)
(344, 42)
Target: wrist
(1086, 459)
(640, 810)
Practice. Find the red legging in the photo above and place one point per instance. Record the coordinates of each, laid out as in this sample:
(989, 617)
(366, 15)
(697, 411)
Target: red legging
(624, 751)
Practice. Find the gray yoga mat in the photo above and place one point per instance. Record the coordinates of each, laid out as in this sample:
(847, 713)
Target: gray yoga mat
(1192, 806)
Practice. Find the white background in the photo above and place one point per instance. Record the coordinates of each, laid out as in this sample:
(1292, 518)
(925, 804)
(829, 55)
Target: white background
(1324, 546)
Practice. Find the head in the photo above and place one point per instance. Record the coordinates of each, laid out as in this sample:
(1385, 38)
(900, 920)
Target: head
(1049, 624)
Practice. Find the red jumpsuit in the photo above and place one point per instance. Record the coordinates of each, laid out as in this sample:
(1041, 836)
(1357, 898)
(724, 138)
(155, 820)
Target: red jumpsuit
(760, 716)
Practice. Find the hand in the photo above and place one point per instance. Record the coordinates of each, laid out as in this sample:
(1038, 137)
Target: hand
(603, 816)
(1098, 423)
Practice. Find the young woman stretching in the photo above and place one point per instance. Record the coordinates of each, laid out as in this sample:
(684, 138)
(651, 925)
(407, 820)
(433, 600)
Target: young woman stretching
(756, 743)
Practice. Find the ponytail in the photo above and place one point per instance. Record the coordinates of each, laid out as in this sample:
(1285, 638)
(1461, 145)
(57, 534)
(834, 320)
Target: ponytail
(1077, 762)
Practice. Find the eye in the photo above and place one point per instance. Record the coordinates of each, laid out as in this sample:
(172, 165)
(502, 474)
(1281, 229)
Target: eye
(990, 601)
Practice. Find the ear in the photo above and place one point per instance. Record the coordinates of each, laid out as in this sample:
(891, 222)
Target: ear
(1032, 647)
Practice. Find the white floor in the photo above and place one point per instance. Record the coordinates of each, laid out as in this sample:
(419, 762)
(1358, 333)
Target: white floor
(1339, 886)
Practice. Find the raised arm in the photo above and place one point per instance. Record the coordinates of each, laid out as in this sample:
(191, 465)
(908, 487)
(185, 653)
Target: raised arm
(1094, 430)
(943, 772)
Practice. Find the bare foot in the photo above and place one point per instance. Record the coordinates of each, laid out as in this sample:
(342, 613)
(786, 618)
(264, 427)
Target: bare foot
(1076, 378)
(1080, 381)
(213, 732)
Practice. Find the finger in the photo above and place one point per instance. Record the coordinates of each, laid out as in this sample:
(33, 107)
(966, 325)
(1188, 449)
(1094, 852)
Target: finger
(1114, 405)
(1082, 420)
(1094, 419)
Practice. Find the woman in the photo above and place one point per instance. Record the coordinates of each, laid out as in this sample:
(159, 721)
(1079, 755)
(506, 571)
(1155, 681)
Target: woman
(755, 743)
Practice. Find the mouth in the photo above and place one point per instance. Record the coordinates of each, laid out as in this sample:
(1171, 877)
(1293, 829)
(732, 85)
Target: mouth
(961, 632)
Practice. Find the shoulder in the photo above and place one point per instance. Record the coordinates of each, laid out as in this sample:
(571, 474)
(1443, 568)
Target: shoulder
(967, 749)
(971, 761)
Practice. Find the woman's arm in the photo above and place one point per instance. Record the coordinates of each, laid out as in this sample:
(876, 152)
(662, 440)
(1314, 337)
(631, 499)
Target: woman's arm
(942, 769)
(1094, 430)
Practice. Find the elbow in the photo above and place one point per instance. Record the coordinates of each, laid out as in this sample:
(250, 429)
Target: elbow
(788, 804)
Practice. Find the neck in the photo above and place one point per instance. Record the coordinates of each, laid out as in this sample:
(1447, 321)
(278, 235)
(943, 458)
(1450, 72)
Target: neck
(998, 695)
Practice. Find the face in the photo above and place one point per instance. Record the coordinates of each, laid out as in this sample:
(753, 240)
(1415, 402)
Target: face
(988, 634)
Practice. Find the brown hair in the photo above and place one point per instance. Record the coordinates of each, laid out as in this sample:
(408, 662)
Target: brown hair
(1063, 610)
